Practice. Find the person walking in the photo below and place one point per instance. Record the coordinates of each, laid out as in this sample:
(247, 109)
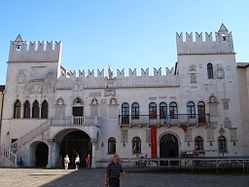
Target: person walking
(77, 162)
(66, 161)
(113, 171)
(88, 161)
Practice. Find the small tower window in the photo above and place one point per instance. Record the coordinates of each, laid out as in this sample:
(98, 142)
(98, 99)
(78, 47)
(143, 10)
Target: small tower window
(224, 37)
(18, 47)
(210, 71)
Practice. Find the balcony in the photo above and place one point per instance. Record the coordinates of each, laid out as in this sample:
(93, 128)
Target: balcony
(75, 120)
(159, 121)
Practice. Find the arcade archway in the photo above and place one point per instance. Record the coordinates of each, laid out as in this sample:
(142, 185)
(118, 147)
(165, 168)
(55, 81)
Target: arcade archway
(41, 155)
(169, 147)
(76, 142)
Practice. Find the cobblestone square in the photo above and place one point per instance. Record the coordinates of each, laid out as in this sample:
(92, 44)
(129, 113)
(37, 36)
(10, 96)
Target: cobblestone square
(94, 178)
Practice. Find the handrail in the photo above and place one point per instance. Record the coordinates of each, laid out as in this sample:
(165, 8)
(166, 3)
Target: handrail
(30, 135)
(74, 120)
(177, 119)
(10, 155)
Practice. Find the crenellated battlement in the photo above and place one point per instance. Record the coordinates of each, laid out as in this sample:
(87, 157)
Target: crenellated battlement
(34, 51)
(120, 74)
(158, 78)
(207, 43)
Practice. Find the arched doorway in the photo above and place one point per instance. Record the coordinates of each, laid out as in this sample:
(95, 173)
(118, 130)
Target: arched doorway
(41, 155)
(76, 142)
(169, 147)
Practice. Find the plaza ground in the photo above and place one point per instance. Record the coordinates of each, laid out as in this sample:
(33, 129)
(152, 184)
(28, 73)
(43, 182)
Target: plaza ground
(94, 178)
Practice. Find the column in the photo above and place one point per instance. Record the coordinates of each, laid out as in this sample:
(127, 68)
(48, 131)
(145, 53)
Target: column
(93, 154)
(53, 154)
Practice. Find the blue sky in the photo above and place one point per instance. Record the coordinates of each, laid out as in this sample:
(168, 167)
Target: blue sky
(122, 33)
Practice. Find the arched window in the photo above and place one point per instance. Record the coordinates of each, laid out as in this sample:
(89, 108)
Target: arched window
(125, 113)
(17, 109)
(111, 146)
(136, 145)
(94, 101)
(26, 110)
(60, 101)
(191, 109)
(210, 71)
(77, 102)
(44, 109)
(222, 144)
(35, 109)
(113, 101)
(135, 111)
(201, 112)
(173, 110)
(199, 143)
(163, 110)
(152, 110)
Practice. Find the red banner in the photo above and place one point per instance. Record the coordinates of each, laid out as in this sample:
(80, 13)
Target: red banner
(153, 137)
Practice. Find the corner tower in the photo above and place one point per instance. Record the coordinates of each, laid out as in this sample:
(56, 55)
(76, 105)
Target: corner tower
(32, 61)
(222, 43)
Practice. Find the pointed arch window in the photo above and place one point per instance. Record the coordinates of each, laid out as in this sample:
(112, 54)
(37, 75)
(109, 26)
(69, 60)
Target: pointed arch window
(60, 101)
(111, 146)
(135, 111)
(222, 144)
(44, 109)
(152, 110)
(163, 110)
(17, 109)
(35, 109)
(201, 112)
(210, 71)
(136, 145)
(77, 102)
(26, 110)
(125, 113)
(191, 109)
(173, 111)
(199, 143)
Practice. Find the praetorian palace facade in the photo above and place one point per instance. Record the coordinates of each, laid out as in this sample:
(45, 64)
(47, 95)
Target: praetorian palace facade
(199, 105)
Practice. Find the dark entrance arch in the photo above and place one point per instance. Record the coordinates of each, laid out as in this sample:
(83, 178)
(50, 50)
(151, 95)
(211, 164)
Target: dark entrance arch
(76, 142)
(169, 147)
(41, 155)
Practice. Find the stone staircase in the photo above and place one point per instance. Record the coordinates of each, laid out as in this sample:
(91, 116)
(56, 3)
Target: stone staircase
(10, 154)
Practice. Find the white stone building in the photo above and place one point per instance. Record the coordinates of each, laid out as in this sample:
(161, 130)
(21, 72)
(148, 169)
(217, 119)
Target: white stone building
(199, 106)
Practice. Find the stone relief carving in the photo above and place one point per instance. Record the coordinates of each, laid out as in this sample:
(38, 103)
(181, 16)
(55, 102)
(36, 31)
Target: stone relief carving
(192, 67)
(21, 77)
(110, 92)
(188, 135)
(220, 73)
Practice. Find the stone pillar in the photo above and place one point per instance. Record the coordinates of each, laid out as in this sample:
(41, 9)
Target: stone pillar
(53, 154)
(93, 154)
